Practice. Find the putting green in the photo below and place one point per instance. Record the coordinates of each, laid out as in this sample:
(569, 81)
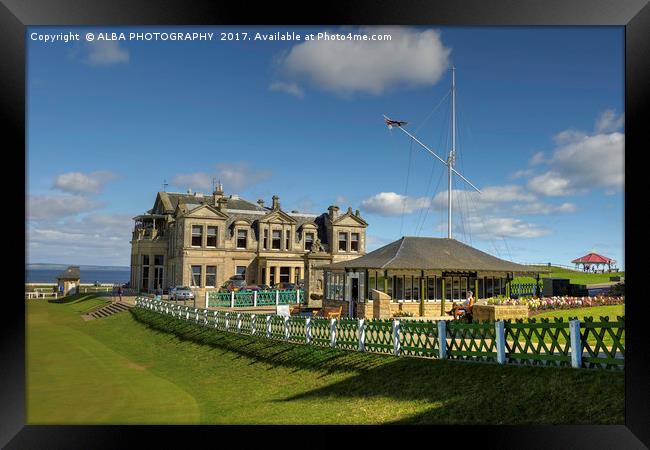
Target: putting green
(74, 378)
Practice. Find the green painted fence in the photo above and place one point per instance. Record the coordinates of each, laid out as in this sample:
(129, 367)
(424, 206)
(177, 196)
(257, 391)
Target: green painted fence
(245, 299)
(588, 344)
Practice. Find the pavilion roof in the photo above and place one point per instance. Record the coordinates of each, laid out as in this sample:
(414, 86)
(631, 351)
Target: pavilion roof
(429, 253)
(593, 258)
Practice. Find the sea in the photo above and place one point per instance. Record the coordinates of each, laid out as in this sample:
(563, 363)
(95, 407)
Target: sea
(90, 276)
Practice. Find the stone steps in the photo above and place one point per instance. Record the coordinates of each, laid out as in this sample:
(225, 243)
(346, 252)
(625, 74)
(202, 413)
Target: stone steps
(108, 310)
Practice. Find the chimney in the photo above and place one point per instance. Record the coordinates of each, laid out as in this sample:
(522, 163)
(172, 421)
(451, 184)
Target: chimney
(333, 212)
(261, 203)
(217, 194)
(276, 202)
(221, 203)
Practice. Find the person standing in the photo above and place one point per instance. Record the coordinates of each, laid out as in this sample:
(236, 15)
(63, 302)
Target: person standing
(119, 293)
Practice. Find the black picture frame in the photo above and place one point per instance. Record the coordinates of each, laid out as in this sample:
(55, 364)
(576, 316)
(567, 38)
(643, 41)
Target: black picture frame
(634, 15)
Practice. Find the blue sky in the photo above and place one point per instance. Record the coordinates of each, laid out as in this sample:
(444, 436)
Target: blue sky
(540, 131)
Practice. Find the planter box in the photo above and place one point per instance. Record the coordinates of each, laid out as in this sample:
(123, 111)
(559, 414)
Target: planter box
(499, 312)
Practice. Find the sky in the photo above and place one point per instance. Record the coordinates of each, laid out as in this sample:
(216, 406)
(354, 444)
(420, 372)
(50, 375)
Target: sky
(540, 131)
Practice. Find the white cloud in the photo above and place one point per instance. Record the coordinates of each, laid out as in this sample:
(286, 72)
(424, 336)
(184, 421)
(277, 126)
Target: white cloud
(393, 204)
(235, 177)
(583, 162)
(551, 184)
(56, 207)
(287, 88)
(80, 183)
(489, 199)
(543, 209)
(105, 53)
(340, 200)
(523, 173)
(505, 227)
(411, 58)
(608, 122)
(93, 239)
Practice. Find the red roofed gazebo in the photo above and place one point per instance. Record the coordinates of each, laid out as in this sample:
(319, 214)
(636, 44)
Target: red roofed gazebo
(593, 259)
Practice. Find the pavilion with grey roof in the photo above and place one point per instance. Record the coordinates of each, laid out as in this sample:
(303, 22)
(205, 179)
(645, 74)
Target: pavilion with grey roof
(422, 269)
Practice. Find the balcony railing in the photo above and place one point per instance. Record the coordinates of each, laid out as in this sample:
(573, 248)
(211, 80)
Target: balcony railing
(243, 299)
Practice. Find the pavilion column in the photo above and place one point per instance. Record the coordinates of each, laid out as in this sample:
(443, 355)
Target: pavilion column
(442, 297)
(423, 281)
(386, 282)
(476, 288)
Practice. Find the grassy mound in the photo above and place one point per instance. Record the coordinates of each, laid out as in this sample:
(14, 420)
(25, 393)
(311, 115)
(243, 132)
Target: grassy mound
(144, 368)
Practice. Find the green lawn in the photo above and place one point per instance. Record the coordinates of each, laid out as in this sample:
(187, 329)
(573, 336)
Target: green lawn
(130, 369)
(576, 276)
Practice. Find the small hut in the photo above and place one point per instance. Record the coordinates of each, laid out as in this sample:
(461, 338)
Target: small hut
(594, 261)
(68, 281)
(421, 274)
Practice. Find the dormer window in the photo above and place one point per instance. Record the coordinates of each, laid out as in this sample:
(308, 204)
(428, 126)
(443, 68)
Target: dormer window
(211, 240)
(197, 235)
(343, 242)
(309, 241)
(354, 242)
(241, 238)
(276, 240)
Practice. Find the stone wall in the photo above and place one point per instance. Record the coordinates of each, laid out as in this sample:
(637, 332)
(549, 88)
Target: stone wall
(499, 312)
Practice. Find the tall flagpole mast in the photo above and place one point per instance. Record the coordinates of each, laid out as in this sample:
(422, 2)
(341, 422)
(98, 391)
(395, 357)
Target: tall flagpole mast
(452, 152)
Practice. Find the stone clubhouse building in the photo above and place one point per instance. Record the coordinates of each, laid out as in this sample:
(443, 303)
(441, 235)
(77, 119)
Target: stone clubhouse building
(200, 241)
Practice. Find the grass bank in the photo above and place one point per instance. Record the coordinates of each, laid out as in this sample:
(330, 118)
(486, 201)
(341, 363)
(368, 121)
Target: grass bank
(576, 276)
(140, 367)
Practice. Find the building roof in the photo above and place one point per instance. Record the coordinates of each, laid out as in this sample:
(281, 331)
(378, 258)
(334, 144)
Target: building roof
(593, 258)
(428, 253)
(71, 273)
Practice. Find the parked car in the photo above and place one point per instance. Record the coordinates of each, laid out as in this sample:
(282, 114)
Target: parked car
(233, 285)
(181, 293)
(264, 287)
(286, 286)
(251, 287)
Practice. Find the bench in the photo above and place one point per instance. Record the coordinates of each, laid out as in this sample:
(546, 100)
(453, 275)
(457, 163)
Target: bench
(330, 312)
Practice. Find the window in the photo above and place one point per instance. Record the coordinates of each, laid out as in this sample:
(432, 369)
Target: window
(210, 276)
(372, 281)
(309, 240)
(276, 239)
(145, 273)
(211, 237)
(431, 288)
(408, 287)
(241, 270)
(265, 242)
(297, 275)
(354, 242)
(197, 235)
(286, 240)
(416, 288)
(158, 271)
(399, 288)
(343, 242)
(241, 238)
(271, 275)
(196, 276)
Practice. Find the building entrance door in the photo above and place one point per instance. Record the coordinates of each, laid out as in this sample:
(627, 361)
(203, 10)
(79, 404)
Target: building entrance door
(354, 295)
(285, 272)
